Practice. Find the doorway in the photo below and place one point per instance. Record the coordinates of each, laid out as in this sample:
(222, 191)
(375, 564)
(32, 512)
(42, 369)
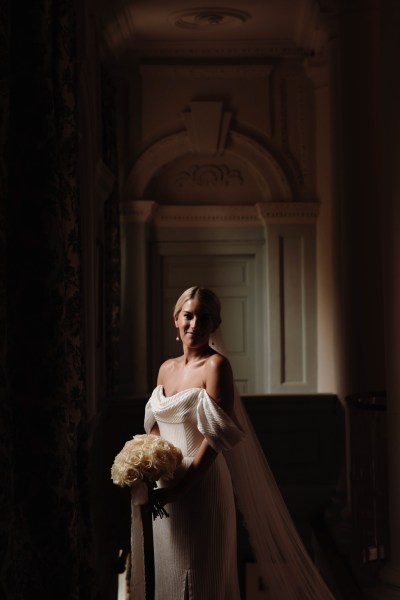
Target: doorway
(235, 273)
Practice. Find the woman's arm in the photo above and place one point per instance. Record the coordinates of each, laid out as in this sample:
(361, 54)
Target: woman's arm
(155, 430)
(202, 460)
(219, 382)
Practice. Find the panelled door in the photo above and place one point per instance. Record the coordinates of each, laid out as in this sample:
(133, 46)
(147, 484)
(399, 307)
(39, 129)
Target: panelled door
(231, 274)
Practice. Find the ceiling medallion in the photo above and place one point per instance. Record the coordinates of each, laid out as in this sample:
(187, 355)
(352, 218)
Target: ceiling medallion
(205, 18)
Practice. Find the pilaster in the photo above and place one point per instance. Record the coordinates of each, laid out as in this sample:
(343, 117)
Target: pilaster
(390, 200)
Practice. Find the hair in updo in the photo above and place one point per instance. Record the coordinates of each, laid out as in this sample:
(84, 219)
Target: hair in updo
(206, 297)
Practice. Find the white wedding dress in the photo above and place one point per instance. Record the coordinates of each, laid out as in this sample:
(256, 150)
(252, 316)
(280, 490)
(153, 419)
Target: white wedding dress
(195, 548)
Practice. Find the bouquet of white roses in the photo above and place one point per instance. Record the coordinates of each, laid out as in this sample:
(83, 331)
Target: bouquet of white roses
(141, 462)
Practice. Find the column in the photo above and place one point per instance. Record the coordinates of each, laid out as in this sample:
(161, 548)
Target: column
(390, 203)
(321, 70)
(134, 337)
(358, 198)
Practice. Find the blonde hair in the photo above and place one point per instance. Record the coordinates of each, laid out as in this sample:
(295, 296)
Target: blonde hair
(206, 297)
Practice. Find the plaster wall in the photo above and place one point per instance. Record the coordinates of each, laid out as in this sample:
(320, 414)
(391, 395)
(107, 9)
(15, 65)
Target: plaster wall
(166, 93)
(283, 111)
(271, 102)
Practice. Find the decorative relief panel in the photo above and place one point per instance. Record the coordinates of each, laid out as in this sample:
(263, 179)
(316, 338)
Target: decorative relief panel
(294, 123)
(168, 90)
(206, 175)
(201, 19)
(292, 302)
(292, 309)
(285, 138)
(155, 172)
(197, 180)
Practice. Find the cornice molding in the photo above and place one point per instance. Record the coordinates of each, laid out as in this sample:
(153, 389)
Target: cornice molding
(263, 213)
(215, 49)
(206, 216)
(288, 212)
(201, 71)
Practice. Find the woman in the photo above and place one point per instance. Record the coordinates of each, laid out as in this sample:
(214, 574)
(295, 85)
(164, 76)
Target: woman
(195, 406)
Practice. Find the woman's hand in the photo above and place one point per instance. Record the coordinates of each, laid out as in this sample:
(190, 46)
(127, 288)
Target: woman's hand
(164, 496)
(158, 498)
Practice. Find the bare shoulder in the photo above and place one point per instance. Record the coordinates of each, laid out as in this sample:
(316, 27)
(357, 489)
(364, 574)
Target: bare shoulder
(166, 369)
(217, 362)
(218, 366)
(219, 381)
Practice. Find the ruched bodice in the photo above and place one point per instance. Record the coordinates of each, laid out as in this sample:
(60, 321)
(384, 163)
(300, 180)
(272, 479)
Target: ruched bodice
(198, 416)
(176, 417)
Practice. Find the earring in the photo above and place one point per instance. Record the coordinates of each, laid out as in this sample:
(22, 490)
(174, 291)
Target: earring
(177, 338)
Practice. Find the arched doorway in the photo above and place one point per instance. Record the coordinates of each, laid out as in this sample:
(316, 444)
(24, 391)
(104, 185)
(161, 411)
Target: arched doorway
(229, 221)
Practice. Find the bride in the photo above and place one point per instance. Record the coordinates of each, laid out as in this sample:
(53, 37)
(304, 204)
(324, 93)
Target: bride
(196, 407)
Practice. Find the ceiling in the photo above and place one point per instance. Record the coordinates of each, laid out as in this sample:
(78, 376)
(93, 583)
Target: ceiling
(228, 28)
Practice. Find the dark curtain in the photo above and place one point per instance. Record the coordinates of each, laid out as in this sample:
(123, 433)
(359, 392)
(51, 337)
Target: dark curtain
(8, 545)
(112, 292)
(45, 540)
(112, 275)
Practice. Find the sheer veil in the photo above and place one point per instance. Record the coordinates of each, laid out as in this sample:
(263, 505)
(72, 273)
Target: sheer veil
(283, 562)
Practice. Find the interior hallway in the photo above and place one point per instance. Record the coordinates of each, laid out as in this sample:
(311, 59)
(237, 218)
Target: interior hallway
(252, 146)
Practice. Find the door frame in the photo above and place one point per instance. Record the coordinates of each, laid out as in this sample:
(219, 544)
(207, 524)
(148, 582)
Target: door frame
(223, 247)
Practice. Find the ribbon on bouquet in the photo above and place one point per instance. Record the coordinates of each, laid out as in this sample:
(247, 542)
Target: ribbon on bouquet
(139, 496)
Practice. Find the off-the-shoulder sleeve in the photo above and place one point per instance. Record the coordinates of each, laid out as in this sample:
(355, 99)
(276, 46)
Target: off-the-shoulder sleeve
(216, 425)
(149, 418)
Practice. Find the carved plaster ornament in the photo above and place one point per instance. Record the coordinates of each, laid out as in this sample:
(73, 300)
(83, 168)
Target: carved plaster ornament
(210, 175)
(206, 18)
